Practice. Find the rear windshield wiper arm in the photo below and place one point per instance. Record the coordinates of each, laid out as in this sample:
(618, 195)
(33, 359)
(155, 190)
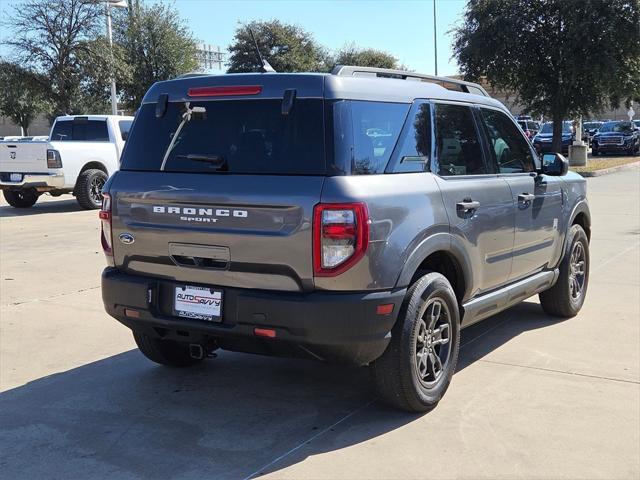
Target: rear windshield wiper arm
(215, 160)
(186, 117)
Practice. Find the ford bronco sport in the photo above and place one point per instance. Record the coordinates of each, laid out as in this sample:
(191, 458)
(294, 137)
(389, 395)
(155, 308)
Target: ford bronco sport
(363, 216)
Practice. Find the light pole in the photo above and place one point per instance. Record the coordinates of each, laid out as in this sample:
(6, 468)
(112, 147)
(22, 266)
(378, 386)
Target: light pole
(107, 5)
(435, 38)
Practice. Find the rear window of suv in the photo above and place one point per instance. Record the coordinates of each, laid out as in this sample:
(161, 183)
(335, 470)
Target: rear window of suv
(231, 136)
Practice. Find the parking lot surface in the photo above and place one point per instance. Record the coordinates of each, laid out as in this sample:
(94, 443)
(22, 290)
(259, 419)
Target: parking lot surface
(533, 397)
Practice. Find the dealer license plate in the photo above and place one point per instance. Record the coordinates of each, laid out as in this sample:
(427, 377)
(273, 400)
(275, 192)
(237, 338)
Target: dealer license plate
(199, 303)
(15, 177)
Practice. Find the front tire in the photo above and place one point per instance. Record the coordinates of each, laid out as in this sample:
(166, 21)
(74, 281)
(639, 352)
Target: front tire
(165, 352)
(566, 297)
(415, 370)
(89, 188)
(23, 198)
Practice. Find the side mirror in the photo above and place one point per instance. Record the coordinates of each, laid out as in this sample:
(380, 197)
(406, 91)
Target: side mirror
(554, 164)
(125, 135)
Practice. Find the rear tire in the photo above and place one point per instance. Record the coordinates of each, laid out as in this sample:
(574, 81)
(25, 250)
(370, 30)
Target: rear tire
(89, 188)
(23, 198)
(165, 352)
(566, 297)
(415, 370)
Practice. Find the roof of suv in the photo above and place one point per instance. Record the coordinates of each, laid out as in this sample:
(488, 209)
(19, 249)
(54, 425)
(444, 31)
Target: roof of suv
(318, 85)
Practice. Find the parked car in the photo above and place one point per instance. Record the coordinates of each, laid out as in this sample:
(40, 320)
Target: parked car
(544, 138)
(636, 123)
(253, 213)
(616, 137)
(529, 127)
(591, 128)
(82, 151)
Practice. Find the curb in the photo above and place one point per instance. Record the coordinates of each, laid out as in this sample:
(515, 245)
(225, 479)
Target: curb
(606, 171)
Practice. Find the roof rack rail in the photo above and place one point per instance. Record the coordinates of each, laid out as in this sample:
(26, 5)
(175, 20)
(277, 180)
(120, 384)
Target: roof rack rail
(446, 82)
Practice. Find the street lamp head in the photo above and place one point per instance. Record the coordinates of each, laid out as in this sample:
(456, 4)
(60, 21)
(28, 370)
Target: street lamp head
(117, 3)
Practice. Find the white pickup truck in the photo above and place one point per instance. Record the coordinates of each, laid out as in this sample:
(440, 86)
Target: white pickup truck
(82, 152)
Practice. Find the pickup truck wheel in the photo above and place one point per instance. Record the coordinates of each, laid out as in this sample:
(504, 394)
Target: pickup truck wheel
(89, 188)
(415, 371)
(23, 198)
(165, 352)
(566, 297)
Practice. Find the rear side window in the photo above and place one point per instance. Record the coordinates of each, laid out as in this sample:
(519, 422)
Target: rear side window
(413, 152)
(125, 126)
(509, 148)
(234, 136)
(458, 150)
(365, 134)
(80, 130)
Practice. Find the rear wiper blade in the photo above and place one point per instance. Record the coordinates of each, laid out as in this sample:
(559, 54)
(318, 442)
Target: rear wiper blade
(215, 160)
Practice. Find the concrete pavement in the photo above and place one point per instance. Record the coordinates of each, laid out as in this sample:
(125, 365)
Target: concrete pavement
(533, 397)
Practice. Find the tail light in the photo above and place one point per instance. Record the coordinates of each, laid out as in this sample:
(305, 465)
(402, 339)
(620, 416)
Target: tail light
(53, 159)
(340, 237)
(105, 219)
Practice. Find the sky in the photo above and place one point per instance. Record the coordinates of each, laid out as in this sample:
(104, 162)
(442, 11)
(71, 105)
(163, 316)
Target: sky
(403, 28)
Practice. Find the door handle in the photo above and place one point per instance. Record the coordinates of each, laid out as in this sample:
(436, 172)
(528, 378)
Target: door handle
(467, 204)
(526, 197)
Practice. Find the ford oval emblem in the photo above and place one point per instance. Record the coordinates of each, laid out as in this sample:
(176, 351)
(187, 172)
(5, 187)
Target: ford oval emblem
(126, 238)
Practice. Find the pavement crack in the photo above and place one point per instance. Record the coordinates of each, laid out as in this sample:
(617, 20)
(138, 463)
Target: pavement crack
(564, 372)
(58, 295)
(309, 440)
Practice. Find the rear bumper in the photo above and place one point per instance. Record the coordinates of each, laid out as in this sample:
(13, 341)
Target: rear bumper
(329, 326)
(35, 180)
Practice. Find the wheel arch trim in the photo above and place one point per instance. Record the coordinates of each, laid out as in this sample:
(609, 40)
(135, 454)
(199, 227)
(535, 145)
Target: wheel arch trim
(437, 242)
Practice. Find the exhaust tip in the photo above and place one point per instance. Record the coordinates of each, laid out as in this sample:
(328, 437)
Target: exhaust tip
(196, 351)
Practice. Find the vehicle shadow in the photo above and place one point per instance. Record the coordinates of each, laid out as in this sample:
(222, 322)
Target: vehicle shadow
(41, 207)
(123, 417)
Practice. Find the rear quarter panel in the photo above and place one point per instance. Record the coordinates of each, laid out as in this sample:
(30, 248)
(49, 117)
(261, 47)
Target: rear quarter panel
(404, 210)
(75, 155)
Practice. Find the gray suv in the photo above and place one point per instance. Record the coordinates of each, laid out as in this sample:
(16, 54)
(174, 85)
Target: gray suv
(363, 216)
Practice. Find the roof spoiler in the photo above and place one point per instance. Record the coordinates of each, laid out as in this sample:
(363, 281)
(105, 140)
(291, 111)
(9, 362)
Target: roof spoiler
(446, 82)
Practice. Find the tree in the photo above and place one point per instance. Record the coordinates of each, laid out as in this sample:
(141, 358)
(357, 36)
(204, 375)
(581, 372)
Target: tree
(156, 45)
(95, 70)
(50, 38)
(563, 58)
(350, 54)
(22, 97)
(288, 48)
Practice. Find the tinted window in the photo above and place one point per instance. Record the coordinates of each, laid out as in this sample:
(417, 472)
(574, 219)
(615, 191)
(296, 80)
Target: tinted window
(414, 148)
(365, 134)
(125, 126)
(509, 148)
(91, 131)
(81, 130)
(548, 127)
(236, 136)
(62, 131)
(458, 150)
